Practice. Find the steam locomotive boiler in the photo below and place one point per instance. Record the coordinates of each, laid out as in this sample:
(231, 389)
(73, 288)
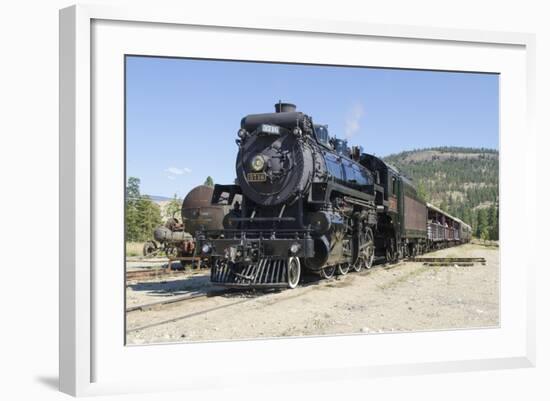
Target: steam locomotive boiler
(307, 204)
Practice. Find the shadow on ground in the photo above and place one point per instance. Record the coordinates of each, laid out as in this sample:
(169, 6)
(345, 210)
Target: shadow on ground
(174, 287)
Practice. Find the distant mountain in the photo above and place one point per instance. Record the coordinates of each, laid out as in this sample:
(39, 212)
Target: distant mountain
(157, 198)
(462, 181)
(164, 203)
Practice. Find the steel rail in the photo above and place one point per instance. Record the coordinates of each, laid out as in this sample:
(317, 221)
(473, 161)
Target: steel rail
(446, 260)
(190, 295)
(153, 273)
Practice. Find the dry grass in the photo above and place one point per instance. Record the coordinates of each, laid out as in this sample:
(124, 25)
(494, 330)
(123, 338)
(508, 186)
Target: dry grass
(134, 248)
(486, 243)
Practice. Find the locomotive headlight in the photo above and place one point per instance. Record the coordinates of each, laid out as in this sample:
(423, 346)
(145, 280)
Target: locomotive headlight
(258, 163)
(294, 248)
(206, 248)
(241, 133)
(297, 131)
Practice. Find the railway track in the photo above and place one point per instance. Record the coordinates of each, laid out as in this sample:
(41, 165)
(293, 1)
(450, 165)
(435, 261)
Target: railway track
(430, 261)
(447, 260)
(165, 270)
(172, 300)
(159, 272)
(188, 297)
(144, 259)
(152, 273)
(310, 281)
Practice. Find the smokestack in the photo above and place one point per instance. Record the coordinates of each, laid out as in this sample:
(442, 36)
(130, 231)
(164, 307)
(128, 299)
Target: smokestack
(284, 107)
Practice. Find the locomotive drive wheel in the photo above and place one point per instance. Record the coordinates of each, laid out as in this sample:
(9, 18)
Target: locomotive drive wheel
(171, 253)
(343, 268)
(149, 248)
(389, 256)
(391, 253)
(366, 254)
(294, 271)
(358, 266)
(327, 272)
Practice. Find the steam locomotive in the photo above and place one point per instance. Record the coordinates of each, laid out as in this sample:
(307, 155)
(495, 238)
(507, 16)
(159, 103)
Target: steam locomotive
(311, 203)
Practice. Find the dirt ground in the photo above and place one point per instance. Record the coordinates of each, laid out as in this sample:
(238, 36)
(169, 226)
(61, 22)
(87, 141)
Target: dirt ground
(408, 296)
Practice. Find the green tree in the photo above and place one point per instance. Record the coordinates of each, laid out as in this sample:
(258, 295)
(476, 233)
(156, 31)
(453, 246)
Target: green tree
(482, 230)
(209, 181)
(142, 214)
(132, 199)
(421, 190)
(492, 219)
(149, 217)
(174, 207)
(467, 216)
(132, 189)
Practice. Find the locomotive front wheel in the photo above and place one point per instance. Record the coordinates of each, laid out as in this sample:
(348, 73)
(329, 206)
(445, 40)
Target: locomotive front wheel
(343, 269)
(149, 248)
(327, 272)
(171, 252)
(294, 271)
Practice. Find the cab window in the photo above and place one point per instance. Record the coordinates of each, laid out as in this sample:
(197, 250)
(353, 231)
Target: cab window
(321, 133)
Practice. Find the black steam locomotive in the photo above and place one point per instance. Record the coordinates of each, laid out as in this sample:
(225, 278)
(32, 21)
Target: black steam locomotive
(311, 203)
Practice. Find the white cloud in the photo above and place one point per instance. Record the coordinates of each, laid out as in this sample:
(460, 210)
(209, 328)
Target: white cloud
(353, 120)
(173, 171)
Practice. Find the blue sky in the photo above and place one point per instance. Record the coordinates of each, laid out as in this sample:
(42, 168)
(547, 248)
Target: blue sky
(182, 115)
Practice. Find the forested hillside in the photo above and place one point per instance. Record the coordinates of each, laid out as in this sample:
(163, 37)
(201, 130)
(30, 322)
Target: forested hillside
(461, 181)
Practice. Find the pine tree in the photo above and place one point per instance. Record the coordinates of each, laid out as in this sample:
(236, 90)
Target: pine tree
(493, 222)
(174, 207)
(482, 226)
(467, 216)
(421, 190)
(209, 181)
(149, 217)
(132, 199)
(490, 220)
(142, 214)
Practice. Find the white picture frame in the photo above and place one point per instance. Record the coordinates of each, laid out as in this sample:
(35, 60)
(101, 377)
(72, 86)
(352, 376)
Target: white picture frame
(93, 358)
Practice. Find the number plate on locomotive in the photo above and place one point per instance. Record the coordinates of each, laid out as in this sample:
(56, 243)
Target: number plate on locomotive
(256, 177)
